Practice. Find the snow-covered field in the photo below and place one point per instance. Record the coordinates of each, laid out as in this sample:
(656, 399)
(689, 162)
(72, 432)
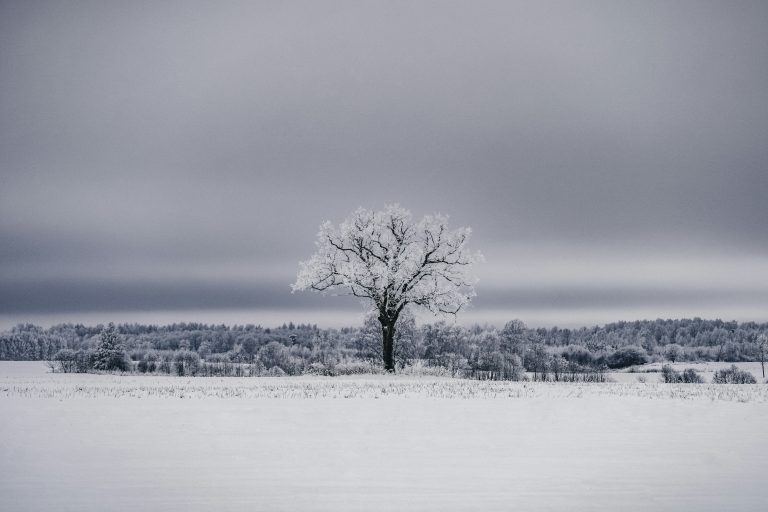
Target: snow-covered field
(93, 442)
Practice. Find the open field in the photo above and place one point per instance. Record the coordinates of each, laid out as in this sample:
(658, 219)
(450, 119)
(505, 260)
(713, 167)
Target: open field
(32, 380)
(103, 442)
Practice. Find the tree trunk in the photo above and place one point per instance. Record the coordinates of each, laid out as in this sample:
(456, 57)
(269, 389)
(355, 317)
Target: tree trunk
(388, 344)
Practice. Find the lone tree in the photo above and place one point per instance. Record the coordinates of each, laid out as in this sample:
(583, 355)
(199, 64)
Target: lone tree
(390, 261)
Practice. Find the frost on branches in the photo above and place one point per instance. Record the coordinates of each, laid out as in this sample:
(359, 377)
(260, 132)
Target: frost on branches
(388, 259)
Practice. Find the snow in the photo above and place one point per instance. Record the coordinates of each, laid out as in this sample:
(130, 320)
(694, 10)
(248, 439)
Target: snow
(229, 444)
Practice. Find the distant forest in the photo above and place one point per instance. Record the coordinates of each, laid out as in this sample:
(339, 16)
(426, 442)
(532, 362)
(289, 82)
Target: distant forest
(193, 348)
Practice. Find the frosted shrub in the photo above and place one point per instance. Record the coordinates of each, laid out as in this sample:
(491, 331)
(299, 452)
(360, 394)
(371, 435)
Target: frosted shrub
(691, 377)
(627, 356)
(579, 355)
(357, 368)
(733, 375)
(669, 375)
(65, 360)
(275, 371)
(276, 354)
(257, 369)
(70, 361)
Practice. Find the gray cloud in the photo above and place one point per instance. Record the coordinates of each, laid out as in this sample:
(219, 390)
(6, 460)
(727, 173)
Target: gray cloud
(182, 155)
(83, 295)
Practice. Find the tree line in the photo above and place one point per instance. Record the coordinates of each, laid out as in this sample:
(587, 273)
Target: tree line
(476, 351)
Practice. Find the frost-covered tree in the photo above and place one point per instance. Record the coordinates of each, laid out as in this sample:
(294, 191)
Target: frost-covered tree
(514, 337)
(110, 354)
(391, 261)
(673, 352)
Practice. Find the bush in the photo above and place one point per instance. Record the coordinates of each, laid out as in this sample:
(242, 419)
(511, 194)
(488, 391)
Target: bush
(579, 355)
(733, 375)
(274, 354)
(69, 361)
(669, 375)
(627, 356)
(275, 371)
(66, 360)
(691, 377)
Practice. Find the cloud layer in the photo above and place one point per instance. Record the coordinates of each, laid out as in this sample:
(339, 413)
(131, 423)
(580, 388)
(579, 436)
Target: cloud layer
(609, 156)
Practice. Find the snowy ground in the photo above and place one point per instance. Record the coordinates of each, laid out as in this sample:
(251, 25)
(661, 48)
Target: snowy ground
(89, 442)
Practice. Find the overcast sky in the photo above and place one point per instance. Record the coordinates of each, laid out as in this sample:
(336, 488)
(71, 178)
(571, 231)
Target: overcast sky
(173, 160)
